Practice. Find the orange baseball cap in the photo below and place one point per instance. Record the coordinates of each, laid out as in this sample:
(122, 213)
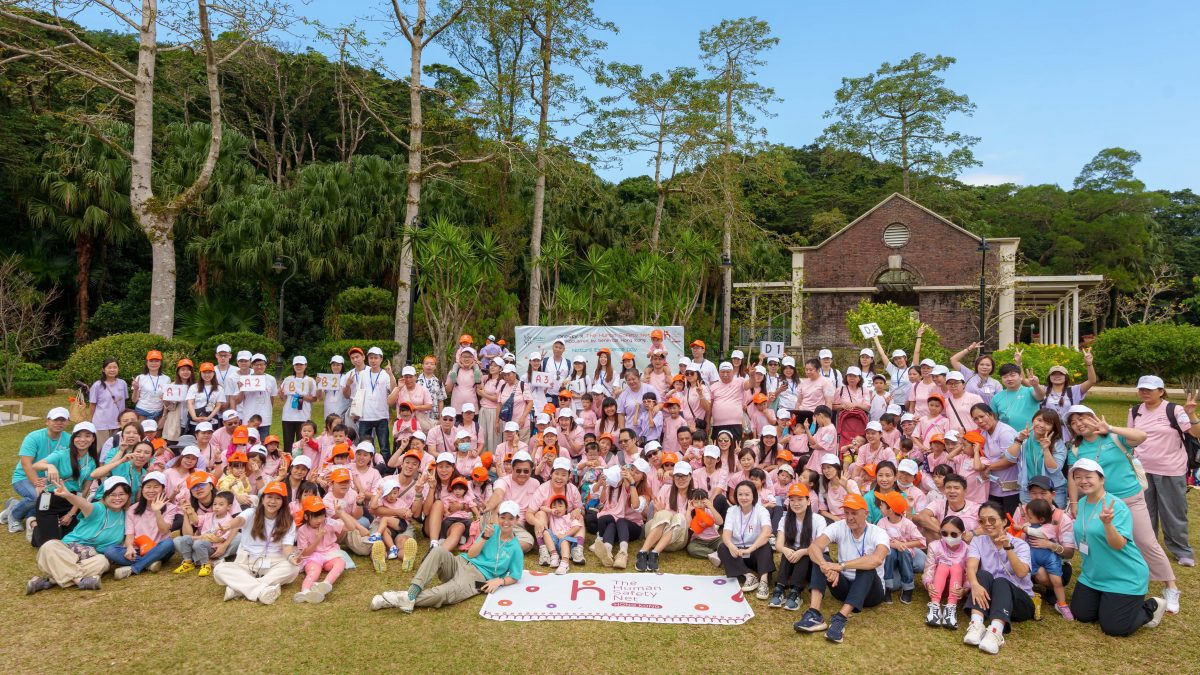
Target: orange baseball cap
(485, 458)
(312, 504)
(340, 449)
(785, 456)
(549, 409)
(238, 457)
(241, 436)
(938, 397)
(271, 439)
(340, 475)
(656, 334)
(937, 438)
(677, 378)
(460, 481)
(670, 458)
(556, 498)
(356, 349)
(479, 473)
(604, 350)
(415, 454)
(275, 488)
(973, 436)
(698, 343)
(197, 477)
(797, 489)
(207, 367)
(870, 469)
(566, 393)
(759, 398)
(673, 401)
(501, 342)
(608, 436)
(895, 501)
(184, 362)
(158, 443)
(467, 339)
(854, 502)
(154, 355)
(627, 356)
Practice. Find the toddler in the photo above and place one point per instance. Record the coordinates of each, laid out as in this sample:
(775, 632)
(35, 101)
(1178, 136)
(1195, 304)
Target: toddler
(562, 532)
(945, 571)
(317, 542)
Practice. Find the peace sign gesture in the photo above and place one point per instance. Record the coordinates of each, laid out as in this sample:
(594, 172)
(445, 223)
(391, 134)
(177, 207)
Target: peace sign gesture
(1106, 513)
(1031, 378)
(1189, 406)
(1087, 356)
(1023, 434)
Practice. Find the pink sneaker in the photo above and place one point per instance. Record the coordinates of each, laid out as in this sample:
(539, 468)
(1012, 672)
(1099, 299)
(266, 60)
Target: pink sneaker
(1065, 610)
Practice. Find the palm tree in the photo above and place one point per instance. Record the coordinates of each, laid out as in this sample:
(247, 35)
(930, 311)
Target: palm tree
(84, 192)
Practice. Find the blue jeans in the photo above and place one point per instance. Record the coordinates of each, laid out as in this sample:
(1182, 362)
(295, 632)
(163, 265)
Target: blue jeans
(161, 551)
(383, 438)
(28, 494)
(1044, 558)
(898, 564)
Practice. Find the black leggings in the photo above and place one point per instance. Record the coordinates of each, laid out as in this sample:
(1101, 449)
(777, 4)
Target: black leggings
(618, 530)
(1119, 614)
(291, 434)
(864, 590)
(48, 527)
(760, 562)
(721, 504)
(1007, 602)
(796, 575)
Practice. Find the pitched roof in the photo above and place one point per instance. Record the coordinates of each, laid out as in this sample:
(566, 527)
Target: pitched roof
(894, 195)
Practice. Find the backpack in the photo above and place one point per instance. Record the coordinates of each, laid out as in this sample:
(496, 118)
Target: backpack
(1191, 445)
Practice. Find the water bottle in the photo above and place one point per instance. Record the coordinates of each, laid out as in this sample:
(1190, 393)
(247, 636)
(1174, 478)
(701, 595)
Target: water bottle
(297, 404)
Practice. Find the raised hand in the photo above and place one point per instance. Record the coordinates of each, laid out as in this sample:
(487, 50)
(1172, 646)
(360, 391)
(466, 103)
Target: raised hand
(1189, 407)
(1024, 433)
(1106, 514)
(1088, 359)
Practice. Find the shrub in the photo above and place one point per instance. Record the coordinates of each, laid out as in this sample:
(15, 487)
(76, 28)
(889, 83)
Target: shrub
(33, 388)
(361, 312)
(31, 372)
(129, 349)
(1170, 351)
(367, 326)
(252, 342)
(319, 362)
(1041, 357)
(899, 330)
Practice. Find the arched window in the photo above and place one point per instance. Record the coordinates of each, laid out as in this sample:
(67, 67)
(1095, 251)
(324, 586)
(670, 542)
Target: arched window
(897, 285)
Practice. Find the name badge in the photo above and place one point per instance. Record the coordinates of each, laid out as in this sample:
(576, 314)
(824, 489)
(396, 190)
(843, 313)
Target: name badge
(1083, 547)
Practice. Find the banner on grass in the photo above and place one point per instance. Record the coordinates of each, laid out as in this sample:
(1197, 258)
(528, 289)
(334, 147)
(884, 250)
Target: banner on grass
(585, 341)
(627, 598)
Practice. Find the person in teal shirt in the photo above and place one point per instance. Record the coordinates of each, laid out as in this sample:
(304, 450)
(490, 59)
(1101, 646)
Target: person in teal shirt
(1112, 585)
(132, 465)
(76, 559)
(71, 467)
(494, 560)
(1020, 399)
(26, 482)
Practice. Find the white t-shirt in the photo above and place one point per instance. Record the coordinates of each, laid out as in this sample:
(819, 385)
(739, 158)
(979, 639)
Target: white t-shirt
(305, 386)
(150, 391)
(336, 402)
(205, 399)
(745, 527)
(377, 387)
(232, 389)
(258, 548)
(818, 526)
(850, 548)
(259, 402)
(708, 371)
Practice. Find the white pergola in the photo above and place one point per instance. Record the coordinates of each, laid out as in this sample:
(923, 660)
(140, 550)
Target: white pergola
(1054, 301)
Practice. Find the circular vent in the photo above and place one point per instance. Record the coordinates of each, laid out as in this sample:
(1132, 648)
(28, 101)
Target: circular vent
(895, 235)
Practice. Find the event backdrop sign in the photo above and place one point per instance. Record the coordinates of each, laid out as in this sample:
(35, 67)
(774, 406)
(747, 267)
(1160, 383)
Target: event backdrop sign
(628, 598)
(586, 340)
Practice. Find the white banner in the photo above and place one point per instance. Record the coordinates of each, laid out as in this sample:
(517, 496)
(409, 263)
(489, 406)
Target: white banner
(252, 382)
(328, 382)
(175, 393)
(628, 598)
(585, 341)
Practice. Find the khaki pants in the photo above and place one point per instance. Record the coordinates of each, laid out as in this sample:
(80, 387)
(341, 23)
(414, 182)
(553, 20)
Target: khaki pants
(241, 577)
(64, 567)
(458, 579)
(524, 538)
(700, 548)
(356, 543)
(676, 528)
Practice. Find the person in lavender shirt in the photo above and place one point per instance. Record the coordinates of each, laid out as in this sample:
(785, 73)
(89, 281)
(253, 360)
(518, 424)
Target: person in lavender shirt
(107, 399)
(1004, 473)
(999, 581)
(979, 381)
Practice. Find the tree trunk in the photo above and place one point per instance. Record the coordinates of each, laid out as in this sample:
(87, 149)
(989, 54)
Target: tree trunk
(412, 203)
(83, 253)
(662, 196)
(727, 225)
(539, 190)
(904, 156)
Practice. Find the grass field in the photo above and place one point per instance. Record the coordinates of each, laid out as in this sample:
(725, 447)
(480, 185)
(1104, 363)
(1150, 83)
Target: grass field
(163, 623)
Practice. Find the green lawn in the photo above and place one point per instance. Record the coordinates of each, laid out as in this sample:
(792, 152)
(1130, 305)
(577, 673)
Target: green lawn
(166, 623)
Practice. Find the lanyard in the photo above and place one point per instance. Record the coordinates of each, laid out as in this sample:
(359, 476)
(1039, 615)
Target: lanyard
(223, 374)
(1093, 515)
(862, 547)
(746, 523)
(375, 381)
(898, 377)
(154, 381)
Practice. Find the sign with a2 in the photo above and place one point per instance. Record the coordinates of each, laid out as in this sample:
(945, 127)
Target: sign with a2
(769, 349)
(252, 383)
(870, 330)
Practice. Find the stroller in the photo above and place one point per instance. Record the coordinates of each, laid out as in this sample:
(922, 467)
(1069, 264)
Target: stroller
(850, 423)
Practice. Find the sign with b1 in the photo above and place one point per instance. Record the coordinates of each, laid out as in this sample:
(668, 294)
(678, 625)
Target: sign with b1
(769, 349)
(870, 330)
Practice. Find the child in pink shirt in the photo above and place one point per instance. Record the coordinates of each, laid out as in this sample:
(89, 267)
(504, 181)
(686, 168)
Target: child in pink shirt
(945, 569)
(904, 539)
(562, 532)
(308, 445)
(460, 508)
(317, 542)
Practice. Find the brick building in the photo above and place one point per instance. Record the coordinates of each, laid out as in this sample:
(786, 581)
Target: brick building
(902, 252)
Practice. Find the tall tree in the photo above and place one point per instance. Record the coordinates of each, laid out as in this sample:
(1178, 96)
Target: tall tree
(899, 113)
(49, 35)
(732, 51)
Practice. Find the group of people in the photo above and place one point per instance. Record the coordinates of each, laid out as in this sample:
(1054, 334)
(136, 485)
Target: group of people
(982, 487)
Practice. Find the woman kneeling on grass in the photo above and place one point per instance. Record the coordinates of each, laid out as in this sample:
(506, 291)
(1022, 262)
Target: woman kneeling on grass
(494, 560)
(267, 557)
(77, 558)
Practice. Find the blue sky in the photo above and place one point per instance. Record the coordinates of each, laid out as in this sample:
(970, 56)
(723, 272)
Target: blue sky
(1054, 82)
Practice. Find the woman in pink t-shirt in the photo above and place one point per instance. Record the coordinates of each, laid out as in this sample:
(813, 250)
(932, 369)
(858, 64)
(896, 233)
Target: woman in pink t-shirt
(461, 380)
(148, 525)
(815, 391)
(624, 499)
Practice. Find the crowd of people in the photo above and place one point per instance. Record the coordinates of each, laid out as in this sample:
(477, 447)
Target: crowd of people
(986, 485)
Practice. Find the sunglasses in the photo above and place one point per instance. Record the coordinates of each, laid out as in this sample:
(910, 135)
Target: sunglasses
(667, 465)
(522, 472)
(447, 419)
(950, 533)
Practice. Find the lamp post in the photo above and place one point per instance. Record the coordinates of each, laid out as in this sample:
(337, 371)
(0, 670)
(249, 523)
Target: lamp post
(279, 267)
(983, 251)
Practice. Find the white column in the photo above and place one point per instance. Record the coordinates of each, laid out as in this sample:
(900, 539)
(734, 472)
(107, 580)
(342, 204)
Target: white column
(1075, 316)
(1063, 338)
(1052, 326)
(1042, 328)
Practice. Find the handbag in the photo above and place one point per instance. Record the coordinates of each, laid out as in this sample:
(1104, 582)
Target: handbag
(1138, 469)
(357, 402)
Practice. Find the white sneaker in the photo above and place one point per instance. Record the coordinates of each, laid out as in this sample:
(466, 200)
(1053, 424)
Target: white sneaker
(14, 526)
(554, 560)
(392, 600)
(544, 556)
(563, 567)
(974, 634)
(269, 595)
(30, 523)
(8, 507)
(577, 555)
(992, 641)
(750, 583)
(714, 559)
(122, 573)
(1160, 608)
(763, 593)
(230, 594)
(934, 616)
(1172, 596)
(323, 587)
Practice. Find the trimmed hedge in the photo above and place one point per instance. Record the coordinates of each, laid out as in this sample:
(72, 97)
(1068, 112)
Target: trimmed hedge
(1041, 357)
(252, 342)
(1170, 351)
(31, 388)
(319, 361)
(129, 349)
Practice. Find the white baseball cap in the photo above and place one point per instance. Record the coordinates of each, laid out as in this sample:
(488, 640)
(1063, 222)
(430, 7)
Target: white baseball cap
(462, 433)
(565, 412)
(866, 351)
(492, 338)
(190, 450)
(685, 361)
(337, 358)
(83, 426)
(652, 446)
(769, 430)
(521, 456)
(788, 361)
(203, 426)
(725, 365)
(737, 354)
(408, 370)
(253, 433)
(223, 348)
(551, 430)
(824, 354)
(899, 352)
(908, 466)
(303, 460)
(761, 370)
(468, 407)
(509, 507)
(772, 359)
(388, 485)
(830, 458)
(1087, 464)
(895, 409)
(58, 413)
(299, 361)
(1077, 409)
(612, 476)
(641, 465)
(155, 476)
(1151, 382)
(854, 370)
(951, 435)
(258, 357)
(258, 450)
(149, 425)
(907, 417)
(374, 351)
(955, 376)
(579, 359)
(445, 457)
(449, 412)
(788, 468)
(365, 446)
(534, 356)
(512, 426)
(561, 463)
(113, 481)
(543, 418)
(711, 451)
(874, 425)
(229, 415)
(940, 370)
(244, 355)
(508, 368)
(420, 434)
(682, 469)
(928, 362)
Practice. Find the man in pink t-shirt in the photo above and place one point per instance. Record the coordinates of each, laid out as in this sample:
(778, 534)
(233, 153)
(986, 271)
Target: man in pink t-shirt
(726, 395)
(520, 487)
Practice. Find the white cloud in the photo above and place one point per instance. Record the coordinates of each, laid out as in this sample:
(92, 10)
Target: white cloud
(982, 178)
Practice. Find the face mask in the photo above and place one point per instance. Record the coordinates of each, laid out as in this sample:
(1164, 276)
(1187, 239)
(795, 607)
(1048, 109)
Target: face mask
(952, 542)
(904, 486)
(463, 447)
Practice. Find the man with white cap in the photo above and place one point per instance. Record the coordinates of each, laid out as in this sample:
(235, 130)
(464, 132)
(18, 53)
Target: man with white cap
(260, 402)
(897, 368)
(726, 397)
(416, 396)
(223, 368)
(297, 392)
(1169, 428)
(373, 385)
(827, 371)
(27, 483)
(494, 560)
(519, 487)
